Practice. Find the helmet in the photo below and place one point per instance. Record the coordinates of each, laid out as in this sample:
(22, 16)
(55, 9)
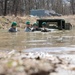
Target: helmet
(35, 24)
(14, 23)
(44, 23)
(28, 23)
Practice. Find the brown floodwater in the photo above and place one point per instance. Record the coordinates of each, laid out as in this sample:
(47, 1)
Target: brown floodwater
(51, 40)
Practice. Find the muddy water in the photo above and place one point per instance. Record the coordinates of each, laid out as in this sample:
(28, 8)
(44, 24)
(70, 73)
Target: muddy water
(54, 40)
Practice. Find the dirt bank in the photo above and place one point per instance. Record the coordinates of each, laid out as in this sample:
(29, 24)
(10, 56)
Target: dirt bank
(5, 21)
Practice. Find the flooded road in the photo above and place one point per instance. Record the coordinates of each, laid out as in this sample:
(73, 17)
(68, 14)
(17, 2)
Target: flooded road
(22, 40)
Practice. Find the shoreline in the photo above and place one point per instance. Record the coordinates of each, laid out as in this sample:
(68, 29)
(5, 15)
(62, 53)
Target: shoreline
(7, 20)
(41, 63)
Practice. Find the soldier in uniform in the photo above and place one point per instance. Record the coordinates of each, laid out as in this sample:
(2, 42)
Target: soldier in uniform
(13, 27)
(28, 29)
(35, 27)
(44, 29)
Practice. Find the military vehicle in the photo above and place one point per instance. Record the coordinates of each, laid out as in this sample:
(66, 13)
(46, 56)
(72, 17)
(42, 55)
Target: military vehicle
(59, 24)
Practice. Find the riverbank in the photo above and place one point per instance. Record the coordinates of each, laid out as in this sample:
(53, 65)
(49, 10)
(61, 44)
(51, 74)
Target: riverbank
(5, 21)
(17, 63)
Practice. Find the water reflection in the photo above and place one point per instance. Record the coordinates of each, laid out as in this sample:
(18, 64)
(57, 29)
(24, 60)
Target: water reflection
(22, 40)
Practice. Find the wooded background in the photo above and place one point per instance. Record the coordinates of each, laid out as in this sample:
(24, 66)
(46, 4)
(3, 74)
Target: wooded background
(23, 7)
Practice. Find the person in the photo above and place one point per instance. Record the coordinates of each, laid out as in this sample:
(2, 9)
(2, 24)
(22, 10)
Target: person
(44, 29)
(35, 27)
(27, 29)
(13, 27)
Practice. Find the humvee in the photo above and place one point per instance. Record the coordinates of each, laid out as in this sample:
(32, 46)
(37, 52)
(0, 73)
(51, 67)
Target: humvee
(59, 24)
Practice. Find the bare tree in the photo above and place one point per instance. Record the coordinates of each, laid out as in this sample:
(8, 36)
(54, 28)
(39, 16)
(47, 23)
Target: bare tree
(5, 8)
(73, 6)
(23, 7)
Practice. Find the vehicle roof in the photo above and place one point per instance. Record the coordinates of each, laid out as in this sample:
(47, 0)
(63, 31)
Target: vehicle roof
(50, 19)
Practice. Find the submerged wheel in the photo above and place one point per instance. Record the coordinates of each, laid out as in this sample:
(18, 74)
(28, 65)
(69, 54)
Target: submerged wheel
(68, 26)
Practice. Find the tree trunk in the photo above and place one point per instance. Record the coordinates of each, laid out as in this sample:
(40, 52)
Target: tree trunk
(5, 8)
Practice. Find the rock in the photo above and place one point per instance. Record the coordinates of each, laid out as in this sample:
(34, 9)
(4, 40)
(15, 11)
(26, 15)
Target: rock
(2, 70)
(38, 67)
(71, 67)
(16, 73)
(12, 63)
(19, 69)
(37, 58)
(12, 52)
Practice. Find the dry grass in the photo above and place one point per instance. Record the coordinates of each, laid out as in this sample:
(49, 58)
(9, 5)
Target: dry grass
(5, 22)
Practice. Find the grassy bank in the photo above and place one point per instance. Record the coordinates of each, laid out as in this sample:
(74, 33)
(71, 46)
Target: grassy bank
(5, 21)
